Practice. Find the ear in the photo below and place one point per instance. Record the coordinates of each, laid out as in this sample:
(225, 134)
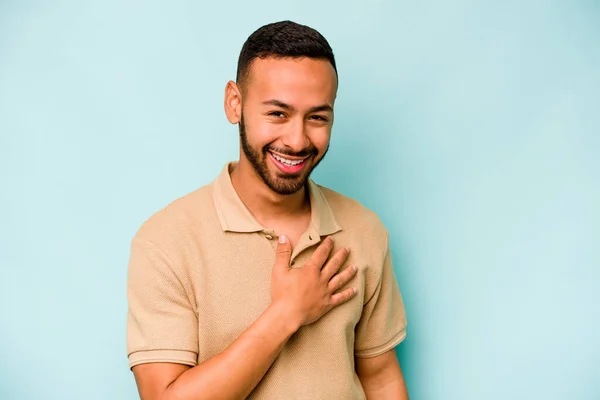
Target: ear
(233, 102)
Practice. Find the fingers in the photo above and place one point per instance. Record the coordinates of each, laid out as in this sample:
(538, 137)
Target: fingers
(342, 297)
(283, 254)
(322, 252)
(339, 280)
(334, 264)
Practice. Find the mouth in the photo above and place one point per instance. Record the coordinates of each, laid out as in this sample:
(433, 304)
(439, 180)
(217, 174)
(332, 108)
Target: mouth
(288, 165)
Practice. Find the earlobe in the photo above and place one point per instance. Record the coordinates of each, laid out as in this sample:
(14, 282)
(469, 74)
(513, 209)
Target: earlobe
(233, 102)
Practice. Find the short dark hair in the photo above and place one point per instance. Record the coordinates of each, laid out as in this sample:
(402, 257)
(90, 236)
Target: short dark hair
(284, 39)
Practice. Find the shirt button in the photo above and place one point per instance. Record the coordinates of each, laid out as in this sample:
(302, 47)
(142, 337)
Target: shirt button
(269, 237)
(309, 237)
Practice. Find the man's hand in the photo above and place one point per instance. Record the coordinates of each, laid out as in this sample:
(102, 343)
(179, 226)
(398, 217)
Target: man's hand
(300, 296)
(309, 292)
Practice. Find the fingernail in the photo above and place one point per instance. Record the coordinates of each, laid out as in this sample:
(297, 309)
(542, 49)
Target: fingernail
(282, 239)
(354, 290)
(355, 268)
(347, 249)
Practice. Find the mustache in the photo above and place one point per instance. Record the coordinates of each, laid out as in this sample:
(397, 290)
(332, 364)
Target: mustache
(309, 151)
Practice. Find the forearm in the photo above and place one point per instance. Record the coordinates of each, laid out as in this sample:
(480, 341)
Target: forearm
(381, 377)
(395, 390)
(233, 373)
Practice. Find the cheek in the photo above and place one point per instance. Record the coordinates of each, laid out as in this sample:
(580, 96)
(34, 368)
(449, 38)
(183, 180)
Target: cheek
(261, 132)
(320, 138)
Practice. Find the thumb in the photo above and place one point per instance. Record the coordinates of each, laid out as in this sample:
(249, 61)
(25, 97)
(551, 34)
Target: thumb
(283, 254)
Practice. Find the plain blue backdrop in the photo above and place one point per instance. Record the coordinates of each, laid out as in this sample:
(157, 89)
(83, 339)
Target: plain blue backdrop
(471, 128)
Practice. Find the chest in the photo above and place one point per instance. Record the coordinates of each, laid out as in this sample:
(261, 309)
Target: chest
(232, 289)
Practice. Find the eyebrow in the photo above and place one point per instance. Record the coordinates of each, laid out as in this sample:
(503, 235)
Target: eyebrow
(285, 106)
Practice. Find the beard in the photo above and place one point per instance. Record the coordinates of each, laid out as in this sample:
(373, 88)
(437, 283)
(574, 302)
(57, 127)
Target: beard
(279, 182)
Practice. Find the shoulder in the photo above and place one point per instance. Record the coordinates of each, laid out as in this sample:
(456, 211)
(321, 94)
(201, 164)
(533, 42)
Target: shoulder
(178, 219)
(355, 218)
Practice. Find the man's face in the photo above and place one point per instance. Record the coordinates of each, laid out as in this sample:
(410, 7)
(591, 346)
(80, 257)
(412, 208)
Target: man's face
(287, 115)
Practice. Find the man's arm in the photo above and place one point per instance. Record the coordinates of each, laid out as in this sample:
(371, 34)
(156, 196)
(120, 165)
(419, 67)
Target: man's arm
(231, 374)
(300, 296)
(381, 377)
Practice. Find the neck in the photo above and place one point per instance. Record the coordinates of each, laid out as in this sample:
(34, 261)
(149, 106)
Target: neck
(264, 204)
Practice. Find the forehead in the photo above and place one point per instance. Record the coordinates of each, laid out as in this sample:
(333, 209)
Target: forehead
(296, 81)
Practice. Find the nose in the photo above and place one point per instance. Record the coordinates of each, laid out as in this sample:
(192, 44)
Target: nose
(295, 138)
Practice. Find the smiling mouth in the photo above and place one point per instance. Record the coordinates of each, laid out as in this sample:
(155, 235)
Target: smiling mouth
(287, 161)
(288, 166)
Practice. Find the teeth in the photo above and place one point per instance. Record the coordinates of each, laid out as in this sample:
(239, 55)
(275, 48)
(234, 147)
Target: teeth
(285, 161)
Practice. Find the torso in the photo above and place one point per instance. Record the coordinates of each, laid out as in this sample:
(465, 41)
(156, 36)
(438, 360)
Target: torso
(225, 276)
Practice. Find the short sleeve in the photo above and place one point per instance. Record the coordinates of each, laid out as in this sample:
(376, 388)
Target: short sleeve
(382, 325)
(162, 325)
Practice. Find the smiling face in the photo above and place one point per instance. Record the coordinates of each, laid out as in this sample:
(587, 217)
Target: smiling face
(285, 115)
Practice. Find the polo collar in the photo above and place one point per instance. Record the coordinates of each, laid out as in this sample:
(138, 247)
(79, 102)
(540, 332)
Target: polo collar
(235, 216)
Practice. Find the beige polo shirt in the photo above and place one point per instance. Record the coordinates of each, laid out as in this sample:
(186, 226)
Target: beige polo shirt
(200, 274)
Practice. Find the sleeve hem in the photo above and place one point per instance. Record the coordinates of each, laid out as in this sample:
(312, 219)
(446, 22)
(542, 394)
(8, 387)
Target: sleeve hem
(165, 356)
(376, 351)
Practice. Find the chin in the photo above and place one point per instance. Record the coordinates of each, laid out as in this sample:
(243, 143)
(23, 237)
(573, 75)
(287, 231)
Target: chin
(286, 186)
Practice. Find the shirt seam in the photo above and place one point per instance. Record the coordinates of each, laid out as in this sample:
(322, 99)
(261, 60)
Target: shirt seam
(378, 350)
(380, 278)
(163, 357)
(161, 349)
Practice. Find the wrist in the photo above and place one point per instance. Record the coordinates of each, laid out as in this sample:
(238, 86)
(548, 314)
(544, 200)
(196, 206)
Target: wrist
(284, 317)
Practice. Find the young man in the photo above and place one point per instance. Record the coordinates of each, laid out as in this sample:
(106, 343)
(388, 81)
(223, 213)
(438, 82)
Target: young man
(264, 285)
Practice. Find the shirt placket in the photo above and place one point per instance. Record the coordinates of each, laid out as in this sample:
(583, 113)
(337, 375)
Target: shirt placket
(271, 237)
(308, 239)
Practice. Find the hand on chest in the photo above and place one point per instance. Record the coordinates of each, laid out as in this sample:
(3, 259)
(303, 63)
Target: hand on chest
(235, 286)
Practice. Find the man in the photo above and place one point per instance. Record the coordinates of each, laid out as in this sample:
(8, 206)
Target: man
(264, 285)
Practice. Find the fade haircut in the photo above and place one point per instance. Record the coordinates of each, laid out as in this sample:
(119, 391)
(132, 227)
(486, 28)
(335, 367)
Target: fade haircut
(284, 39)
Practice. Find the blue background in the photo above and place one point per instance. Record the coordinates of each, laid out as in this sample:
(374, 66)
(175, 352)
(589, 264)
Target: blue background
(472, 128)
